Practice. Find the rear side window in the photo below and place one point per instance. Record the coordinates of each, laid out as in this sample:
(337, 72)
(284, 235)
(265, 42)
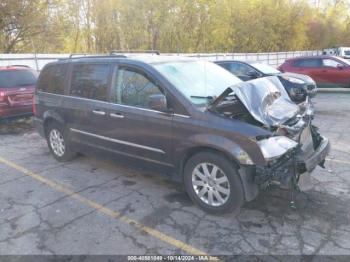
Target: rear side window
(17, 78)
(52, 79)
(90, 81)
(308, 63)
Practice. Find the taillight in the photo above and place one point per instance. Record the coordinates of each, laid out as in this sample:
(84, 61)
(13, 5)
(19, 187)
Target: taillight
(34, 106)
(2, 96)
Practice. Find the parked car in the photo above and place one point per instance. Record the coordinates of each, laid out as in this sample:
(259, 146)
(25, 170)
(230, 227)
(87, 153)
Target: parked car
(189, 119)
(17, 84)
(297, 86)
(327, 71)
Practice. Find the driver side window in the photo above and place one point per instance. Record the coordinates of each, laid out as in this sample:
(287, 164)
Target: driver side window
(133, 88)
(330, 63)
(240, 69)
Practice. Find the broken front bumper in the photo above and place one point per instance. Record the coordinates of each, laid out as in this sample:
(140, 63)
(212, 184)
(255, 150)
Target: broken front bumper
(291, 165)
(318, 157)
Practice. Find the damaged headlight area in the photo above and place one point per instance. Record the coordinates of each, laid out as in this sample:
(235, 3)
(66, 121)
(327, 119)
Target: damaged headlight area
(279, 153)
(287, 159)
(274, 147)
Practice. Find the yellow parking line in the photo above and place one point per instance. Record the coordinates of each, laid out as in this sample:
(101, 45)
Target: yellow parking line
(338, 161)
(153, 232)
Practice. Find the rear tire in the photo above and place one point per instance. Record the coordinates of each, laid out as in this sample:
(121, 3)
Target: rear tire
(213, 183)
(58, 142)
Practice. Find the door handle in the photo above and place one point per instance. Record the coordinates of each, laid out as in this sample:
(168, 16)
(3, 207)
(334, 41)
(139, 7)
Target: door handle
(99, 112)
(116, 115)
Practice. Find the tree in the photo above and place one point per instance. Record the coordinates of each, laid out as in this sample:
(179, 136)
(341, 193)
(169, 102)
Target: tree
(20, 21)
(98, 26)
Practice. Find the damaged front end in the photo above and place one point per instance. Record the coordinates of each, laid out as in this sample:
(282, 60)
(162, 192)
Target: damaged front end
(294, 146)
(305, 151)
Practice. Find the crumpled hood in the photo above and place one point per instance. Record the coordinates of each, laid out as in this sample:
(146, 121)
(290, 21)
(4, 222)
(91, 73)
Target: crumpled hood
(266, 100)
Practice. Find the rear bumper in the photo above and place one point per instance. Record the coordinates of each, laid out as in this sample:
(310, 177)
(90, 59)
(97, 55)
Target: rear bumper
(9, 112)
(38, 124)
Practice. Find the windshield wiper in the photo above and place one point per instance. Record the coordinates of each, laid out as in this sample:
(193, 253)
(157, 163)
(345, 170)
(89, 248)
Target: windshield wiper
(205, 97)
(220, 98)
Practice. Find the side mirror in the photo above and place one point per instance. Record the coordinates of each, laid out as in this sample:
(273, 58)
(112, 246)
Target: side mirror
(340, 67)
(252, 74)
(158, 102)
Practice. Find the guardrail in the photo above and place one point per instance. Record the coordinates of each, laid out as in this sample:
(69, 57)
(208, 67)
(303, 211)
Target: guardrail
(37, 61)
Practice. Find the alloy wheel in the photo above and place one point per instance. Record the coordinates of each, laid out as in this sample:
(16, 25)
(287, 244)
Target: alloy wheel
(57, 142)
(210, 184)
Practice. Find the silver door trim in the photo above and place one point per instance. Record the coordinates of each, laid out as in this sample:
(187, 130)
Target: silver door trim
(118, 141)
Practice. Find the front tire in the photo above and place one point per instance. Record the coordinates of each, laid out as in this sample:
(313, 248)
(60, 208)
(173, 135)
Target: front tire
(58, 142)
(213, 183)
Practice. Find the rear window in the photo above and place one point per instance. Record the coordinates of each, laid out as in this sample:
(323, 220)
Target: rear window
(16, 78)
(52, 79)
(90, 81)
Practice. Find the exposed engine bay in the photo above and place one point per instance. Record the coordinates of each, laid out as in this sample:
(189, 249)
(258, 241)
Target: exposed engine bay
(294, 146)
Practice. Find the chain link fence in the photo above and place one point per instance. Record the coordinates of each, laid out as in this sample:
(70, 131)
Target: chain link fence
(37, 61)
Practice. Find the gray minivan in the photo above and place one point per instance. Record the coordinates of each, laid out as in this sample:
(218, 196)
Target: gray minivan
(190, 120)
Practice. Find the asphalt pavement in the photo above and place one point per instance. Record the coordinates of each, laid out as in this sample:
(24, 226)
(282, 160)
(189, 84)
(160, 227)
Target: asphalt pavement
(95, 206)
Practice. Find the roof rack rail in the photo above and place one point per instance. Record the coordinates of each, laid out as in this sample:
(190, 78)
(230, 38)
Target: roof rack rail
(113, 52)
(78, 54)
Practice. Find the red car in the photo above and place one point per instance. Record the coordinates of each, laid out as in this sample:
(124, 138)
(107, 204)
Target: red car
(17, 85)
(326, 71)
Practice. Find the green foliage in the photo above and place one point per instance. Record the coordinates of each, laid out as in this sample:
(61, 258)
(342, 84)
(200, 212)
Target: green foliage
(97, 26)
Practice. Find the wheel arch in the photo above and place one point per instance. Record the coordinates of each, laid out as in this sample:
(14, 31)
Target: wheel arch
(245, 173)
(51, 117)
(198, 149)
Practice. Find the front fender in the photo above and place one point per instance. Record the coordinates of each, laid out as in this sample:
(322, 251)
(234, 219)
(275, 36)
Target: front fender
(235, 150)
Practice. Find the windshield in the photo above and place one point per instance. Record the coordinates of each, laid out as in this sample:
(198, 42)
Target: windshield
(199, 81)
(16, 78)
(264, 68)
